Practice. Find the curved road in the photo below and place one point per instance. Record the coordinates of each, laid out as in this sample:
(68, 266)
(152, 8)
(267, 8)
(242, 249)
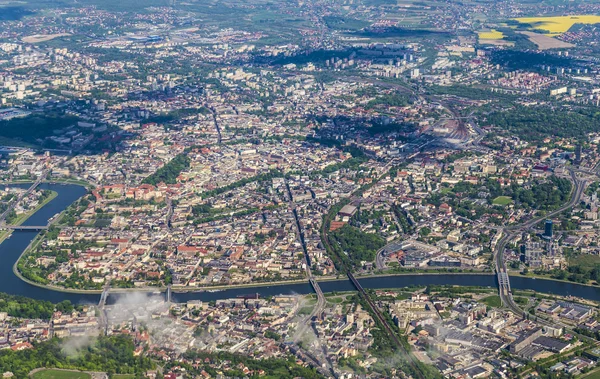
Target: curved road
(503, 278)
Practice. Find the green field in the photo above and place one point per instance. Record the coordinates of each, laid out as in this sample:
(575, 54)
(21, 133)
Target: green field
(59, 374)
(586, 260)
(305, 310)
(4, 141)
(592, 375)
(492, 301)
(502, 200)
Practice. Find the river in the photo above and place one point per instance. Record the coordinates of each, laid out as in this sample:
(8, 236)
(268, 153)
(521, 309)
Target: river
(11, 249)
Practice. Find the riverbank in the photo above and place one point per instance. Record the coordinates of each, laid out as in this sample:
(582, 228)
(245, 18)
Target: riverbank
(13, 283)
(279, 283)
(78, 182)
(548, 277)
(25, 216)
(4, 234)
(223, 287)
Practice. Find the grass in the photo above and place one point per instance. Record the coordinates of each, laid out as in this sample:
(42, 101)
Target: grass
(123, 376)
(584, 260)
(521, 300)
(4, 234)
(502, 200)
(5, 141)
(490, 34)
(305, 310)
(558, 24)
(60, 374)
(592, 375)
(492, 301)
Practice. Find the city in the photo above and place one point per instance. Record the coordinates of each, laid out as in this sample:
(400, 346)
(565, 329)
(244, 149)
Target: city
(299, 189)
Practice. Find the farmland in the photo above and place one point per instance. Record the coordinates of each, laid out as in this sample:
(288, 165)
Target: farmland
(545, 42)
(558, 24)
(490, 34)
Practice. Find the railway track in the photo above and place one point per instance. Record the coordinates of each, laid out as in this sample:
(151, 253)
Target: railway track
(412, 362)
(411, 359)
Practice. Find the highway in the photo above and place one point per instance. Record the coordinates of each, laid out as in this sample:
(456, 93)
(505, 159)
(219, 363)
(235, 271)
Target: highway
(510, 233)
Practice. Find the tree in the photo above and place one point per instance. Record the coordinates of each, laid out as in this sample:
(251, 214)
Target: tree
(425, 231)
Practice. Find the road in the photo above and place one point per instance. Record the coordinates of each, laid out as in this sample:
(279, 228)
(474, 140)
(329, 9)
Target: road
(305, 324)
(380, 259)
(169, 213)
(510, 233)
(217, 128)
(320, 297)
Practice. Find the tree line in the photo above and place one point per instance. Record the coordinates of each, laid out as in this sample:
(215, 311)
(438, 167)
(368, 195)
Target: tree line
(112, 354)
(169, 172)
(24, 307)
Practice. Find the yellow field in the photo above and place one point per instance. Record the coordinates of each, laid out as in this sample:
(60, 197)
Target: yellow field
(559, 24)
(491, 34)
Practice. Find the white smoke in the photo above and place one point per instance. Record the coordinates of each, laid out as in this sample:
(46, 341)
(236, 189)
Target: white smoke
(73, 346)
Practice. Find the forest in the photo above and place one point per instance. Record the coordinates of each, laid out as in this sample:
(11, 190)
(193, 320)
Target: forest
(29, 129)
(389, 100)
(520, 60)
(112, 354)
(534, 124)
(24, 307)
(14, 13)
(539, 194)
(178, 114)
(275, 368)
(169, 172)
(358, 245)
(242, 182)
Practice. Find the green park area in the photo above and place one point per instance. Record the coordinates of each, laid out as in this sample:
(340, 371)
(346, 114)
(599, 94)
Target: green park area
(492, 301)
(502, 200)
(60, 374)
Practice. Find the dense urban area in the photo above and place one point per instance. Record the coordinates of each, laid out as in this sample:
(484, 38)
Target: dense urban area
(253, 177)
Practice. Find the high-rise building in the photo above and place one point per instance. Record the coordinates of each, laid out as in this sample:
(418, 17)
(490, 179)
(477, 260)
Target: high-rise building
(548, 229)
(578, 149)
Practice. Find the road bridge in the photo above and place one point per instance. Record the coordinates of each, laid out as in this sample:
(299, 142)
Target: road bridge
(37, 228)
(103, 319)
(104, 296)
(504, 289)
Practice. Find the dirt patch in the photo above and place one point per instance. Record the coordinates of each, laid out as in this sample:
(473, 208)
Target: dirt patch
(37, 38)
(496, 42)
(544, 42)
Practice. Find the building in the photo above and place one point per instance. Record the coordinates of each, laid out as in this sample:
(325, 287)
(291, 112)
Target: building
(548, 229)
(525, 340)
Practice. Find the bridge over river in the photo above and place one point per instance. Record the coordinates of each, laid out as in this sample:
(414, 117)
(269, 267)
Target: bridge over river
(12, 248)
